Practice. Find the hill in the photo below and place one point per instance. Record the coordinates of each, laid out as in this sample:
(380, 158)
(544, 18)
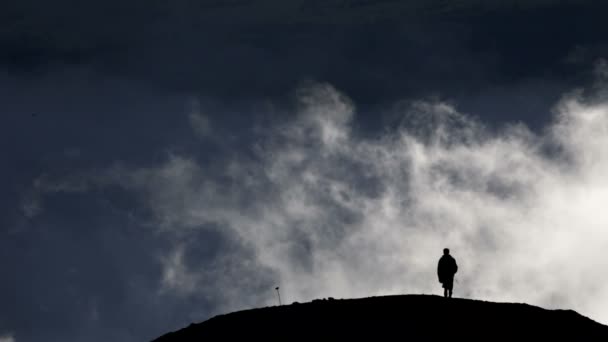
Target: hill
(389, 317)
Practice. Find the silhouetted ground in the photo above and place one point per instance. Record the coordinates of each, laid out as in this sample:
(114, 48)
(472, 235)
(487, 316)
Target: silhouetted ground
(408, 317)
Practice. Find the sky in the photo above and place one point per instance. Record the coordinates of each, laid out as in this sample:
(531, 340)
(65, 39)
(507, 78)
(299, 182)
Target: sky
(165, 162)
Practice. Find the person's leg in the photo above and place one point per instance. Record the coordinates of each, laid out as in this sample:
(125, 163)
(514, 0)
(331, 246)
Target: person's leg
(445, 292)
(448, 286)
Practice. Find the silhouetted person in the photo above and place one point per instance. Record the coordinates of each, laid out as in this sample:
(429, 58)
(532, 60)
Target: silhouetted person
(446, 269)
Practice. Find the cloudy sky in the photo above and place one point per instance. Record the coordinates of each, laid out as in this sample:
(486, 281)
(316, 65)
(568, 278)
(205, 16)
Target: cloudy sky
(164, 162)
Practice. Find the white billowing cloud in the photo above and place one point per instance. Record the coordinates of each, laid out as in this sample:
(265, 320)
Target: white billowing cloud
(176, 276)
(7, 338)
(330, 213)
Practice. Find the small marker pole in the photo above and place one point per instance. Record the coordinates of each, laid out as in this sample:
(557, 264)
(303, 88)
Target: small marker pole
(279, 294)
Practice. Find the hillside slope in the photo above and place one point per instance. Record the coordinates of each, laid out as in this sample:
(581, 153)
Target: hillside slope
(404, 317)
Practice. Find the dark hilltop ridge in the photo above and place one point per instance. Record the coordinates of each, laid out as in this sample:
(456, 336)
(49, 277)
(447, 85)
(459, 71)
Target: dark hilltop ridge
(405, 317)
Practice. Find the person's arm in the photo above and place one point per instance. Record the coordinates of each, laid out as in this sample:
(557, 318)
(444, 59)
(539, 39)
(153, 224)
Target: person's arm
(439, 270)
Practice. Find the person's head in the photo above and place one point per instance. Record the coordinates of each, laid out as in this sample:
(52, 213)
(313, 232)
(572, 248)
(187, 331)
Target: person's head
(446, 251)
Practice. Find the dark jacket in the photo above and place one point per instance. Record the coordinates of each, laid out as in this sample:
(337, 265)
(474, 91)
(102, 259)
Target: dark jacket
(446, 268)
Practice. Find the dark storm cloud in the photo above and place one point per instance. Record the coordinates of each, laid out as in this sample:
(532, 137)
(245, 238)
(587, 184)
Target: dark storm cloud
(373, 50)
(477, 53)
